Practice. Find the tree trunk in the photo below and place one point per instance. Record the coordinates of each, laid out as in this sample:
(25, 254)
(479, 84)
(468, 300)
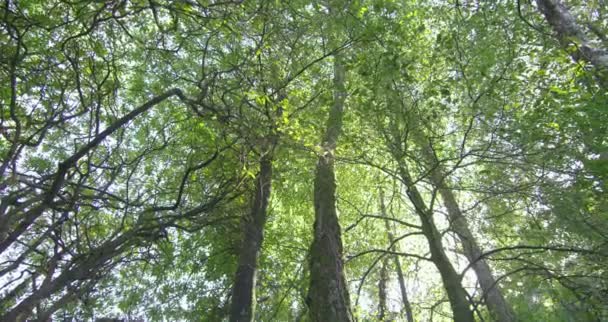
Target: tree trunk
(409, 314)
(498, 306)
(328, 297)
(243, 292)
(451, 279)
(389, 231)
(382, 290)
(572, 37)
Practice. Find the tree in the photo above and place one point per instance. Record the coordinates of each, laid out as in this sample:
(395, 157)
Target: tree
(389, 231)
(258, 160)
(328, 296)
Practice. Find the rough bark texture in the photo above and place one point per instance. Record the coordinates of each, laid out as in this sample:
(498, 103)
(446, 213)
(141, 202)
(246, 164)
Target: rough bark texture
(243, 292)
(570, 33)
(328, 297)
(451, 279)
(498, 306)
(409, 315)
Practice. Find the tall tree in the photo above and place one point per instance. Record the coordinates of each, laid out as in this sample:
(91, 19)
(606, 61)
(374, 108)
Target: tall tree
(328, 296)
(498, 306)
(243, 293)
(451, 279)
(409, 315)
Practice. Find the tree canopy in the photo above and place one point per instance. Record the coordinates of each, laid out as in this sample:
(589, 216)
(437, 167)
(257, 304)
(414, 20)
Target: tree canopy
(361, 160)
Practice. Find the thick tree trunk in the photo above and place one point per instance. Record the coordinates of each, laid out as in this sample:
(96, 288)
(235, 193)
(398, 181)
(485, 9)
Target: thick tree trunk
(498, 306)
(389, 231)
(243, 292)
(328, 297)
(451, 279)
(572, 36)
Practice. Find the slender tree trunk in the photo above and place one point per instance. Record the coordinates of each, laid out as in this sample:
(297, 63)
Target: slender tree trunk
(242, 308)
(389, 231)
(409, 314)
(457, 295)
(572, 36)
(498, 306)
(451, 279)
(382, 309)
(328, 297)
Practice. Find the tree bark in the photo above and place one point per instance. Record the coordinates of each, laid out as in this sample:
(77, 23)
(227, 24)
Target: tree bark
(328, 297)
(498, 306)
(569, 33)
(243, 292)
(409, 315)
(382, 290)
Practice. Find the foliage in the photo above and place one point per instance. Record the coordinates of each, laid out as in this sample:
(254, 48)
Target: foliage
(131, 134)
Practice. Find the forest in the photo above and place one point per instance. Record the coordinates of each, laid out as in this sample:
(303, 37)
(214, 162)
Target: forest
(313, 161)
